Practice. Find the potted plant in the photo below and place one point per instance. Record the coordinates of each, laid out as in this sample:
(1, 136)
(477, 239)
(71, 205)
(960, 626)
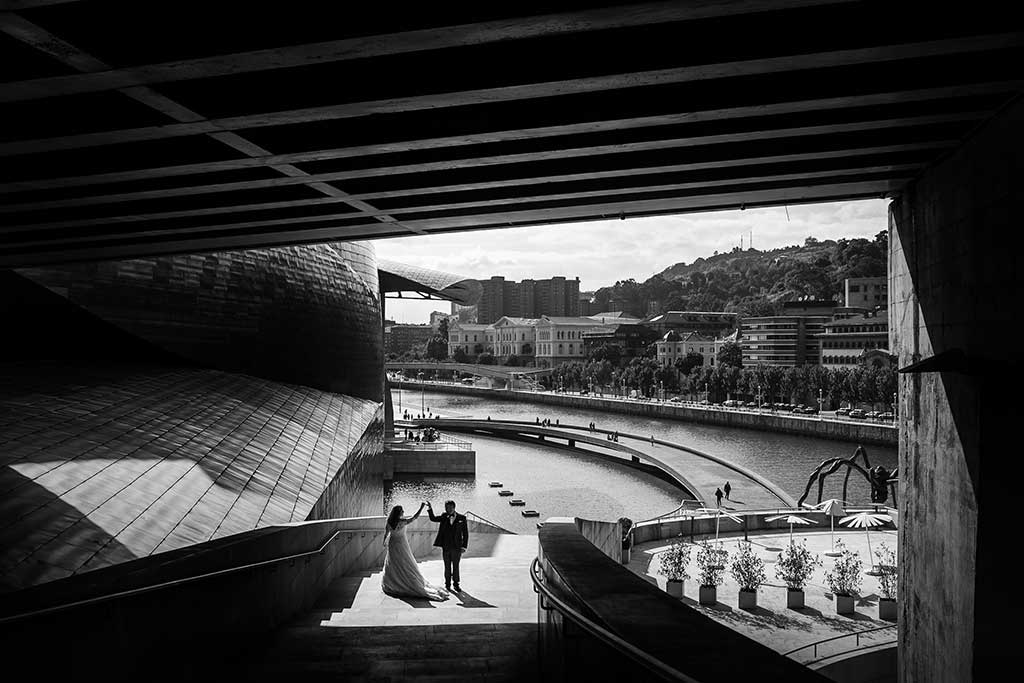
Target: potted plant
(710, 571)
(673, 565)
(626, 532)
(748, 571)
(844, 579)
(886, 582)
(795, 566)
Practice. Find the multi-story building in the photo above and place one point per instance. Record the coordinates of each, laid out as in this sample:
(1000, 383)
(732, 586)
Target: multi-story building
(866, 292)
(472, 338)
(560, 339)
(515, 336)
(436, 317)
(631, 338)
(401, 338)
(785, 340)
(492, 300)
(707, 323)
(674, 346)
(556, 296)
(847, 341)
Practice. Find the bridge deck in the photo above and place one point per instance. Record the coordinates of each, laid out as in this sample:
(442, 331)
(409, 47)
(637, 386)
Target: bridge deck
(701, 473)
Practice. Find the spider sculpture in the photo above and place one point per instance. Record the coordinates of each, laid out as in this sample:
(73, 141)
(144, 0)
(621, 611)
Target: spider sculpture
(878, 477)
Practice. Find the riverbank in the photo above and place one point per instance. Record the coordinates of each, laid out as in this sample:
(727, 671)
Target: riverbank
(837, 430)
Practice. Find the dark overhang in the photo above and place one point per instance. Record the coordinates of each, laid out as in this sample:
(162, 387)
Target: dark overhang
(154, 127)
(425, 283)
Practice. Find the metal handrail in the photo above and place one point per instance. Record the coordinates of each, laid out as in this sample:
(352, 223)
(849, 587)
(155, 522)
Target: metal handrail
(858, 634)
(636, 654)
(176, 582)
(480, 518)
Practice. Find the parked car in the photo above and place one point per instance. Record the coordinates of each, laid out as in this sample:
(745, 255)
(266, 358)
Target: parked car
(843, 411)
(731, 403)
(885, 416)
(872, 414)
(750, 404)
(858, 413)
(810, 410)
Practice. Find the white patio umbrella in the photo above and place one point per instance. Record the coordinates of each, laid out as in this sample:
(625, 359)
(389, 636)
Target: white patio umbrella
(833, 507)
(718, 513)
(866, 520)
(790, 520)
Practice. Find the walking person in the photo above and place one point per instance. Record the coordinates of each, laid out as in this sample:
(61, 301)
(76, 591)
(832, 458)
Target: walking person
(452, 538)
(727, 490)
(718, 496)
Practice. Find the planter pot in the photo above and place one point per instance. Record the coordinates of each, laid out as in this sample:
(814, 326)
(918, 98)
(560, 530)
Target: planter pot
(844, 604)
(794, 599)
(674, 588)
(886, 609)
(747, 599)
(708, 595)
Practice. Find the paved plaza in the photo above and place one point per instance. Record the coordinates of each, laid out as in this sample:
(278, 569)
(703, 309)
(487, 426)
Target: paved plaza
(772, 623)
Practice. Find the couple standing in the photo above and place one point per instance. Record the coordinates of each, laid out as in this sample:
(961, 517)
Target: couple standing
(402, 577)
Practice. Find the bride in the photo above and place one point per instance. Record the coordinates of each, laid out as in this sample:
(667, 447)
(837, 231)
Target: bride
(402, 577)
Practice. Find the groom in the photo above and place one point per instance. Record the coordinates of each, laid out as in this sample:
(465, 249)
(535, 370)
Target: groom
(452, 539)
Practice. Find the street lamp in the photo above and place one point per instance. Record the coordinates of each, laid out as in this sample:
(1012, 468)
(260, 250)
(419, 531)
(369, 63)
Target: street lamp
(758, 398)
(423, 388)
(707, 397)
(895, 414)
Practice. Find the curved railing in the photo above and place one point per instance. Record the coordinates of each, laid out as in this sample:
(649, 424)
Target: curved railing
(656, 667)
(814, 646)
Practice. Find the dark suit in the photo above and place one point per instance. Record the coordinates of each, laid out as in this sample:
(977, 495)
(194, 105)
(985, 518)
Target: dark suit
(452, 539)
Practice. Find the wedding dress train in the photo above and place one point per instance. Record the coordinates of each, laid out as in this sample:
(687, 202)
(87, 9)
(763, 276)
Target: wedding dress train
(402, 577)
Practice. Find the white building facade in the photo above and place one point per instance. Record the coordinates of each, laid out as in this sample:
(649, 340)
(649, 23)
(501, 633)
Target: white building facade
(515, 336)
(560, 340)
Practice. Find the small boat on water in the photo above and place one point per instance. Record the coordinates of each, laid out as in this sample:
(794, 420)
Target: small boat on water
(517, 501)
(531, 513)
(505, 492)
(495, 484)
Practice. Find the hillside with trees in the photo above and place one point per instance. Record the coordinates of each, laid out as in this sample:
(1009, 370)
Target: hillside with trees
(753, 282)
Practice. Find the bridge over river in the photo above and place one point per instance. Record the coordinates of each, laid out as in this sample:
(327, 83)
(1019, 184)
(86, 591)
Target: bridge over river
(696, 472)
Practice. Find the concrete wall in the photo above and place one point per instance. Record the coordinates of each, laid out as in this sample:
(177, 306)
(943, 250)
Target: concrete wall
(413, 461)
(605, 536)
(955, 284)
(839, 430)
(195, 630)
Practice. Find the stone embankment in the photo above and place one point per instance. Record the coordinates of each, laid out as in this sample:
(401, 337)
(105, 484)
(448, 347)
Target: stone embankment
(867, 433)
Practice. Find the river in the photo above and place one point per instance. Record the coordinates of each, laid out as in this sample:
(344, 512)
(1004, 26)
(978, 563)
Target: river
(558, 483)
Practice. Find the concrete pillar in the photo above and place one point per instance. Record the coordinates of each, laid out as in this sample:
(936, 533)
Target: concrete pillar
(955, 264)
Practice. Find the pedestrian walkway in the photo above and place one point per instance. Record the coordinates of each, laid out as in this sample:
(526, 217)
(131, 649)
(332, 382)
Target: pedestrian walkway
(357, 633)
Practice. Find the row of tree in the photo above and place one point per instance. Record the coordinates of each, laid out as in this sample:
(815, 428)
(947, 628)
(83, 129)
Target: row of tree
(801, 384)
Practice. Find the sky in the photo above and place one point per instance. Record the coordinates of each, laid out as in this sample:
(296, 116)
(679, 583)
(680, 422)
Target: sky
(601, 252)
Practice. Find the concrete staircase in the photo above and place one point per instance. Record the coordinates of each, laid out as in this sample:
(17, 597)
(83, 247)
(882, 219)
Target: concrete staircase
(357, 633)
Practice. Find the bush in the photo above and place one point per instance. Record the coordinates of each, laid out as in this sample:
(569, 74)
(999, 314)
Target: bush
(675, 560)
(887, 578)
(747, 568)
(795, 566)
(710, 564)
(845, 577)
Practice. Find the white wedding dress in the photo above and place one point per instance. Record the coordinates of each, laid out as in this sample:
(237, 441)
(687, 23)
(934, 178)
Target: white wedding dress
(402, 577)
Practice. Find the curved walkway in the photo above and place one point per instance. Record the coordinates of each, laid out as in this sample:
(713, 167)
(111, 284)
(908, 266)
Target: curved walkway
(703, 472)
